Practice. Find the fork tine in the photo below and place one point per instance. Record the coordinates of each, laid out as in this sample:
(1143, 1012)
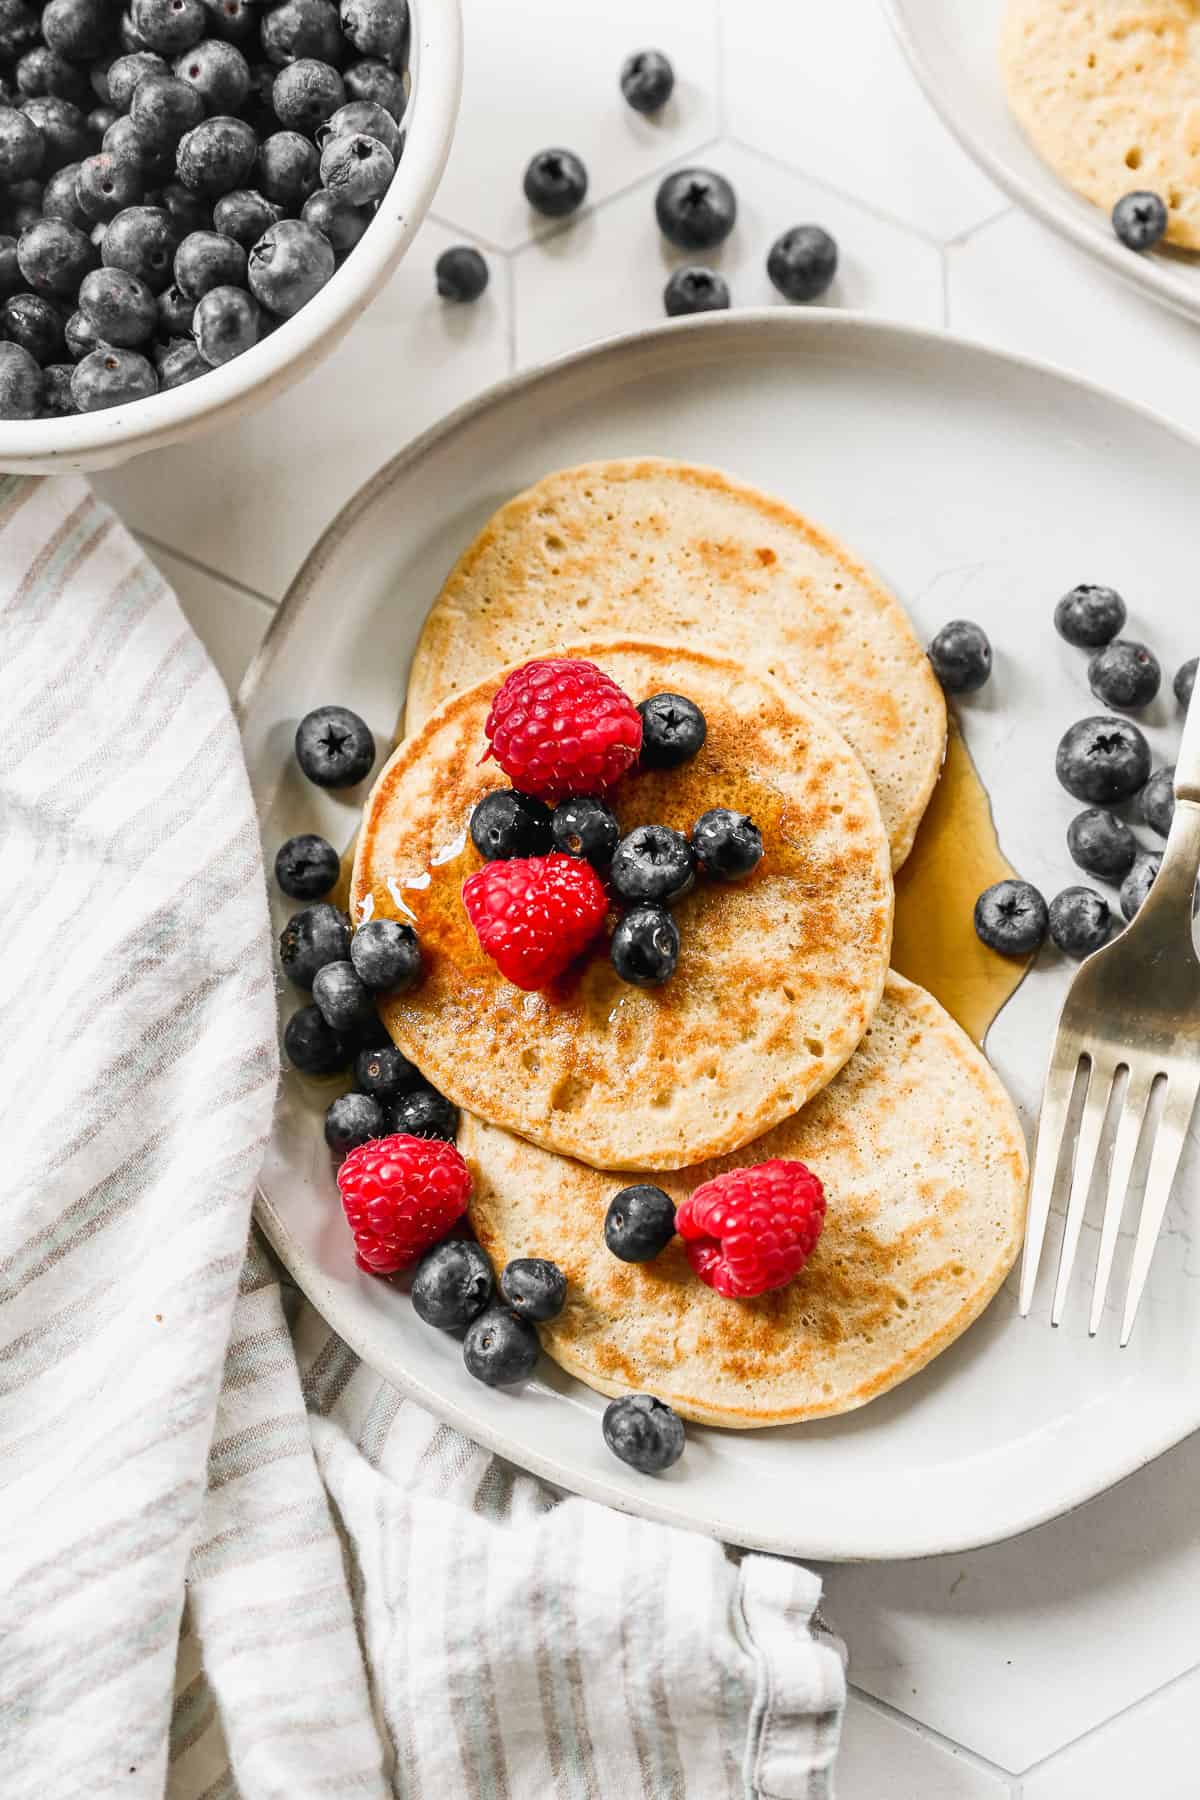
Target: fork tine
(1129, 1130)
(1164, 1160)
(1056, 1103)
(1100, 1078)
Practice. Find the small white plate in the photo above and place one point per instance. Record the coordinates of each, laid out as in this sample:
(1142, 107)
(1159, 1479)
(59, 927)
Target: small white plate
(977, 484)
(952, 48)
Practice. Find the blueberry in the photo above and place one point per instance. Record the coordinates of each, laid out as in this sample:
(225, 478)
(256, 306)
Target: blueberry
(1139, 219)
(21, 385)
(961, 656)
(673, 730)
(306, 867)
(647, 80)
(81, 337)
(372, 79)
(639, 1223)
(1088, 615)
(499, 1348)
(65, 136)
(218, 72)
(1102, 759)
(645, 946)
(727, 844)
(1011, 917)
(334, 747)
(356, 169)
(506, 824)
(585, 827)
(534, 1288)
(54, 257)
(19, 27)
(288, 265)
(225, 324)
(245, 215)
(387, 956)
(180, 363)
(143, 240)
(1185, 681)
(556, 183)
(644, 1432)
(310, 939)
(696, 209)
(100, 120)
(694, 290)
(1100, 843)
(216, 156)
(24, 206)
(21, 146)
(207, 259)
(1139, 881)
(353, 1119)
(376, 27)
(76, 29)
(10, 270)
(234, 21)
(306, 93)
(1079, 921)
(311, 1046)
(460, 273)
(385, 1072)
(36, 324)
(334, 219)
(452, 1285)
(425, 1113)
(803, 262)
(122, 141)
(111, 377)
(344, 1001)
(1157, 801)
(128, 35)
(653, 863)
(120, 306)
(1124, 674)
(169, 26)
(368, 118)
(125, 73)
(301, 28)
(105, 185)
(175, 314)
(376, 1036)
(57, 401)
(287, 170)
(43, 71)
(163, 109)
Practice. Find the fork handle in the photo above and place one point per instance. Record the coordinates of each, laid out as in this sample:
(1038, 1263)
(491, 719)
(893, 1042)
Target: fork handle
(1187, 765)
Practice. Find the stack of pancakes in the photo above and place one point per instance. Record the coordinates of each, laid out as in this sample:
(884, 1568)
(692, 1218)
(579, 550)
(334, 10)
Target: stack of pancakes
(782, 1032)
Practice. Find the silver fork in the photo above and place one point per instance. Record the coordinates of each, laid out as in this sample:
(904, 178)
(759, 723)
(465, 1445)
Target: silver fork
(1134, 1007)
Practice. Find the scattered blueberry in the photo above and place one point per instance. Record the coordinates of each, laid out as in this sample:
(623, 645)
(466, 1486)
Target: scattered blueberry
(356, 169)
(21, 384)
(452, 1285)
(726, 844)
(218, 72)
(208, 259)
(461, 273)
(696, 209)
(1157, 801)
(334, 747)
(225, 324)
(353, 1119)
(1079, 921)
(143, 240)
(534, 1287)
(803, 262)
(1103, 759)
(425, 1113)
(111, 377)
(311, 1046)
(1185, 681)
(555, 183)
(385, 1072)
(673, 731)
(54, 257)
(289, 264)
(306, 867)
(305, 94)
(119, 305)
(1102, 844)
(1124, 674)
(1089, 616)
(653, 863)
(499, 1348)
(1139, 881)
(645, 946)
(287, 169)
(506, 824)
(961, 656)
(310, 939)
(343, 998)
(343, 225)
(1139, 219)
(647, 80)
(585, 827)
(691, 289)
(639, 1223)
(1011, 916)
(644, 1432)
(386, 955)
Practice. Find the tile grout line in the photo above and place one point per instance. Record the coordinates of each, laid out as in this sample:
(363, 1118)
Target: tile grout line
(476, 237)
(720, 85)
(920, 1729)
(189, 561)
(879, 213)
(964, 237)
(1044, 1762)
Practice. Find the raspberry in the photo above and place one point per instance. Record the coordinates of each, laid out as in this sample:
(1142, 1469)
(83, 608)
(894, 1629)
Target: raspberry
(534, 914)
(563, 727)
(400, 1196)
(752, 1229)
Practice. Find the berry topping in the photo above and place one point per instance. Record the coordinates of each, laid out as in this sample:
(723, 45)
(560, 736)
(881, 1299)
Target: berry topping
(343, 1000)
(499, 1348)
(1080, 921)
(585, 827)
(534, 1287)
(310, 939)
(425, 1113)
(452, 1285)
(653, 863)
(640, 1222)
(752, 1229)
(1124, 674)
(1139, 881)
(386, 956)
(353, 1119)
(1011, 917)
(1102, 759)
(961, 656)
(562, 726)
(334, 747)
(727, 844)
(506, 824)
(644, 1432)
(1185, 681)
(645, 946)
(1157, 800)
(673, 730)
(401, 1195)
(312, 1046)
(306, 867)
(385, 1073)
(1089, 615)
(533, 915)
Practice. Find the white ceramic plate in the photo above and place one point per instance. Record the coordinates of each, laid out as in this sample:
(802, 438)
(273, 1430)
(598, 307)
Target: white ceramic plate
(977, 484)
(952, 49)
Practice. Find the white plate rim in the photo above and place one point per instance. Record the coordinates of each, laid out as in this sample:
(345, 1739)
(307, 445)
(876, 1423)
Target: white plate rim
(655, 1503)
(1150, 275)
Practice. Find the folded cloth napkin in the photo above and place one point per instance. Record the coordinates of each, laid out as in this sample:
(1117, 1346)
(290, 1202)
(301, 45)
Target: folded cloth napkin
(232, 1561)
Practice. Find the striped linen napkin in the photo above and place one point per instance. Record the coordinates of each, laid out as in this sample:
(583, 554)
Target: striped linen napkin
(232, 1561)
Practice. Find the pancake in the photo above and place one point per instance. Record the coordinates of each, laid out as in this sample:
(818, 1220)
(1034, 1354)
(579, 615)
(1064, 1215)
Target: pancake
(924, 1167)
(1108, 93)
(685, 554)
(779, 974)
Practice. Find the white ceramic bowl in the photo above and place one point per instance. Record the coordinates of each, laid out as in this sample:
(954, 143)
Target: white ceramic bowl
(99, 440)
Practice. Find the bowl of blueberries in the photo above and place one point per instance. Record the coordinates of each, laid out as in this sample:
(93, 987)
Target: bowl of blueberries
(197, 199)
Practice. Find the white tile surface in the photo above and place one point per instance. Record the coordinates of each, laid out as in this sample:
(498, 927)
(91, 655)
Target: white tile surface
(230, 620)
(883, 1758)
(1154, 1749)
